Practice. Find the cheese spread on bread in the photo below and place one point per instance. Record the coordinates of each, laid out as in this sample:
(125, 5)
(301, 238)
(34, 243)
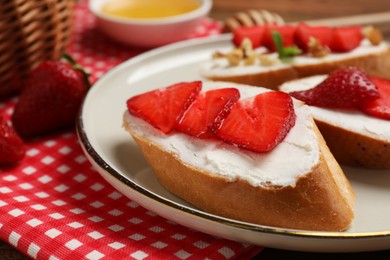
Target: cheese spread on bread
(220, 67)
(297, 185)
(295, 156)
(353, 120)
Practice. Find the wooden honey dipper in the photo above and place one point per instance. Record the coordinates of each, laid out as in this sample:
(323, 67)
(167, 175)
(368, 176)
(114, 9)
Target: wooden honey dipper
(252, 17)
(261, 17)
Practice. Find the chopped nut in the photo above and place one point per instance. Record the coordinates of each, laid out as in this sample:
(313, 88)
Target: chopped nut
(316, 49)
(250, 58)
(235, 57)
(238, 53)
(267, 60)
(374, 35)
(245, 55)
(233, 61)
(218, 55)
(246, 46)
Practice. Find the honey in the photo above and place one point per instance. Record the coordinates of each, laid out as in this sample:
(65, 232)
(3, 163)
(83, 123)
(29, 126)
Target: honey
(148, 9)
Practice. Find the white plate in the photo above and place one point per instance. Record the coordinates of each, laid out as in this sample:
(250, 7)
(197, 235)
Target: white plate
(117, 158)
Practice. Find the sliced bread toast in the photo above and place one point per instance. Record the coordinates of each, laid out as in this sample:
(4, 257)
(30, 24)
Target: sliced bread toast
(355, 138)
(297, 185)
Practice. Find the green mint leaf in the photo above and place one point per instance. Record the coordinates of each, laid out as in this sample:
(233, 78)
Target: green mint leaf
(291, 51)
(278, 41)
(284, 53)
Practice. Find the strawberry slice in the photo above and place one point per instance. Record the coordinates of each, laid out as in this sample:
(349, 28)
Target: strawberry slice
(253, 33)
(379, 107)
(304, 32)
(286, 31)
(260, 123)
(345, 39)
(198, 120)
(344, 88)
(163, 108)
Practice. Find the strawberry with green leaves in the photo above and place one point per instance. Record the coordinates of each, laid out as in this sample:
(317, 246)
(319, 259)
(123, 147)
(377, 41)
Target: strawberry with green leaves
(286, 32)
(289, 37)
(50, 99)
(285, 53)
(12, 149)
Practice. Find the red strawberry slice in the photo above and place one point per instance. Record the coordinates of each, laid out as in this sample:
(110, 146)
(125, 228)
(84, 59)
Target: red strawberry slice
(260, 123)
(199, 118)
(344, 88)
(379, 107)
(163, 108)
(253, 33)
(345, 39)
(286, 31)
(304, 32)
(12, 148)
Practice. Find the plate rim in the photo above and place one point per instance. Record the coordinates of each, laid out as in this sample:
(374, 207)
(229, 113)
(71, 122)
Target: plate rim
(103, 165)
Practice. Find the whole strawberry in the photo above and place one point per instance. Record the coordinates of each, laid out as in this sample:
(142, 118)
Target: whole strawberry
(50, 98)
(12, 148)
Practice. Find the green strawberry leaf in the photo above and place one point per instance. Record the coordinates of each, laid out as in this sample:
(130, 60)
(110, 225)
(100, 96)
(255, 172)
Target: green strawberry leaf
(77, 66)
(284, 53)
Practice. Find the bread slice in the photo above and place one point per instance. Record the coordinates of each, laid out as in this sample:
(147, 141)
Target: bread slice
(354, 138)
(255, 75)
(298, 185)
(374, 60)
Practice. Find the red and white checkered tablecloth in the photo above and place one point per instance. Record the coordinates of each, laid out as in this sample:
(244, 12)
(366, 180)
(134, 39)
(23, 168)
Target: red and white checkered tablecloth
(54, 205)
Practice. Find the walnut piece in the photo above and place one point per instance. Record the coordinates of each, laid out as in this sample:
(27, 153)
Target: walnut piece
(234, 57)
(316, 49)
(245, 55)
(374, 35)
(267, 60)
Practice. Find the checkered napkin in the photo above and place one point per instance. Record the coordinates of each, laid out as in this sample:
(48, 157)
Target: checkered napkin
(54, 205)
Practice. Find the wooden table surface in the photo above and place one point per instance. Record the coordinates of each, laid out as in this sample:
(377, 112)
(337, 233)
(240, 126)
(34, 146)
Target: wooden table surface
(334, 12)
(375, 12)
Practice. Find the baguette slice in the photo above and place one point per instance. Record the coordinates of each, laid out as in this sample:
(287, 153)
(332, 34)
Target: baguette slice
(298, 185)
(374, 60)
(353, 137)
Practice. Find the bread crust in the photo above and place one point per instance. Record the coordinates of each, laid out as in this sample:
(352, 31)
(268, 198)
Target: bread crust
(321, 200)
(374, 64)
(350, 147)
(377, 64)
(272, 79)
(355, 149)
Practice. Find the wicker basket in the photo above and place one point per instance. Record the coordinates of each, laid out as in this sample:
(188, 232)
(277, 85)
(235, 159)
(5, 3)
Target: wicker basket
(31, 31)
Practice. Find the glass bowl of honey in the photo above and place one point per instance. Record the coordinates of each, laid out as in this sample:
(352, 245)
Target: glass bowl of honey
(149, 23)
